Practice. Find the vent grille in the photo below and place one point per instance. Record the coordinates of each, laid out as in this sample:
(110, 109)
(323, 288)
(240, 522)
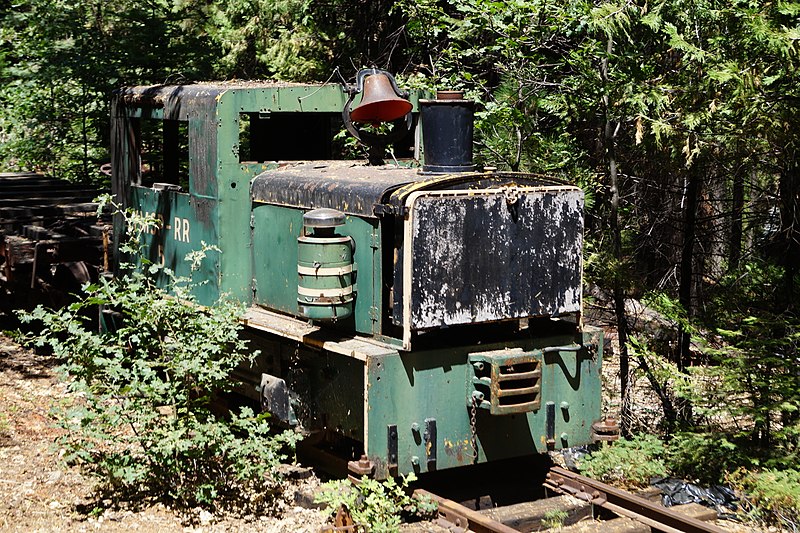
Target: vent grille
(507, 381)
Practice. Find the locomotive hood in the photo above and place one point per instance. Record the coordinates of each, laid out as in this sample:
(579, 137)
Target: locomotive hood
(350, 187)
(370, 191)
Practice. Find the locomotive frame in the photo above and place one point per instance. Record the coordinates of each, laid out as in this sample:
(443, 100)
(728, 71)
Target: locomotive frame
(452, 355)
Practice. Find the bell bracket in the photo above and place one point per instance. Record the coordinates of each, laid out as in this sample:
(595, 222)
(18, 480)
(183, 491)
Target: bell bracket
(375, 142)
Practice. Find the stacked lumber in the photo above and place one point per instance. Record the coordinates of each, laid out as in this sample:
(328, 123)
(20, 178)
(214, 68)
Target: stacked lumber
(51, 239)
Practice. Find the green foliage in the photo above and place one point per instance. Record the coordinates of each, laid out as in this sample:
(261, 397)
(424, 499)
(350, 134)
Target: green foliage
(705, 457)
(145, 423)
(554, 518)
(602, 268)
(61, 62)
(494, 51)
(671, 310)
(262, 38)
(659, 367)
(755, 349)
(771, 496)
(627, 463)
(380, 506)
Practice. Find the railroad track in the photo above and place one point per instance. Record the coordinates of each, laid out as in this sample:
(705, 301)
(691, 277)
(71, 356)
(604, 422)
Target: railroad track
(585, 505)
(579, 498)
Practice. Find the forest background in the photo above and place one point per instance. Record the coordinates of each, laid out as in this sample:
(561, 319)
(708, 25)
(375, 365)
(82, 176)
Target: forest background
(678, 117)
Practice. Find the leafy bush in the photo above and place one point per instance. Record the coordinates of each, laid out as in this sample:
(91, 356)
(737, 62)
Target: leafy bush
(756, 333)
(705, 457)
(144, 424)
(380, 506)
(771, 496)
(627, 463)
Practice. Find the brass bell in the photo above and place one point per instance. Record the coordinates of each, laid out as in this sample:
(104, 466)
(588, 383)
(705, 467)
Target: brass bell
(379, 102)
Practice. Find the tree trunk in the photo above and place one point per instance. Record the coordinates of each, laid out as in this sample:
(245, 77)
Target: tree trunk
(737, 224)
(609, 143)
(789, 190)
(687, 276)
(619, 293)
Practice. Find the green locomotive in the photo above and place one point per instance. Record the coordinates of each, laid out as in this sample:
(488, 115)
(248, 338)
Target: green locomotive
(429, 315)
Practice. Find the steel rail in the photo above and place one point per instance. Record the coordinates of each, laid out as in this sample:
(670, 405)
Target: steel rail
(460, 519)
(625, 504)
(463, 518)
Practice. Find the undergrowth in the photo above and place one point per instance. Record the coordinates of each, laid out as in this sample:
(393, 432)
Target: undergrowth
(627, 463)
(706, 457)
(144, 423)
(379, 506)
(769, 496)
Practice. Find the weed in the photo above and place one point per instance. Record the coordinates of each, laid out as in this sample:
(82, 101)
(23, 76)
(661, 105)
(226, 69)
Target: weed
(705, 457)
(379, 506)
(627, 463)
(554, 518)
(145, 422)
(144, 425)
(770, 496)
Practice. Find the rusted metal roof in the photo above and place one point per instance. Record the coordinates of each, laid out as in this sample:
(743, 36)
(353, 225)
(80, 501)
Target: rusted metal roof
(355, 187)
(349, 186)
(164, 92)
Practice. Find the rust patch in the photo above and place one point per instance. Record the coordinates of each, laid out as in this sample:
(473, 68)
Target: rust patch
(460, 449)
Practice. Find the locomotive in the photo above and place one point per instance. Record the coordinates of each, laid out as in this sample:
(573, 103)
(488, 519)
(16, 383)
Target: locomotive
(427, 313)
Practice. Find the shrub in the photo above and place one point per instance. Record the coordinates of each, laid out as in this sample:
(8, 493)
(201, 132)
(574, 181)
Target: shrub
(704, 457)
(144, 424)
(627, 463)
(771, 496)
(379, 506)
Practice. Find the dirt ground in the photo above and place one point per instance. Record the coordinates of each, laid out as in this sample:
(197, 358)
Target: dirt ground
(38, 493)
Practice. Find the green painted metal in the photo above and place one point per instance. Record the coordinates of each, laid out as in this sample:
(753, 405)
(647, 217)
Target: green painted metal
(323, 295)
(406, 389)
(362, 396)
(219, 196)
(275, 232)
(182, 231)
(275, 259)
(334, 397)
(328, 387)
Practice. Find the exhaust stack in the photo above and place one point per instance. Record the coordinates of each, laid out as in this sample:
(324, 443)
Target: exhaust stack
(447, 125)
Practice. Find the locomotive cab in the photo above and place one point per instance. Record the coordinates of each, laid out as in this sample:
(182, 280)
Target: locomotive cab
(424, 312)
